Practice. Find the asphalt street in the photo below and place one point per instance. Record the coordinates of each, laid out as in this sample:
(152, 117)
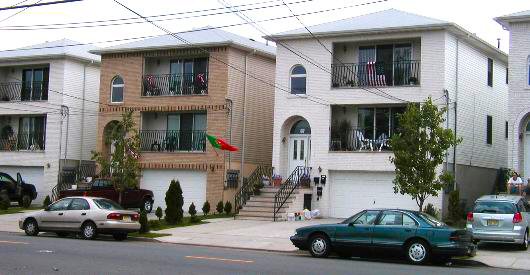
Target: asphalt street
(20, 254)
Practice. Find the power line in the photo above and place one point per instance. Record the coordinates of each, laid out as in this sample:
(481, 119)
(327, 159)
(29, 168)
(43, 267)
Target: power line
(105, 23)
(206, 51)
(38, 4)
(18, 12)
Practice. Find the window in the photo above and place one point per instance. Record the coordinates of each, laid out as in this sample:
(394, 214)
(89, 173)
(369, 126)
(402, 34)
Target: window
(301, 127)
(489, 130)
(107, 204)
(60, 205)
(79, 204)
(298, 80)
(494, 207)
(117, 90)
(506, 75)
(528, 72)
(376, 123)
(490, 72)
(396, 218)
(367, 217)
(31, 133)
(506, 130)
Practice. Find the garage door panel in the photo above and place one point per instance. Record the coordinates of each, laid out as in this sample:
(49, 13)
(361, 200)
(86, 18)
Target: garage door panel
(193, 184)
(352, 192)
(32, 175)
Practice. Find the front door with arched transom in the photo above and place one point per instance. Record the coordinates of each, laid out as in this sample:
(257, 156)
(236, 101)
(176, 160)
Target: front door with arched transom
(299, 145)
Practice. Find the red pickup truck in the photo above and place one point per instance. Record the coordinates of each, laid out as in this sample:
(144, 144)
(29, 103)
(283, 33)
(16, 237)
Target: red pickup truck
(103, 188)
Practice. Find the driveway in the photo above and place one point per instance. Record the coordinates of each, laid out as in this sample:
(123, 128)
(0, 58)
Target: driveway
(262, 235)
(9, 222)
(503, 255)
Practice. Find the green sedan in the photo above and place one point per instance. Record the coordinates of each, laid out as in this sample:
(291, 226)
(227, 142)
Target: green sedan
(417, 235)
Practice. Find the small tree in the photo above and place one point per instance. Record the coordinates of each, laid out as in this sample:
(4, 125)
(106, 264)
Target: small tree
(159, 214)
(220, 207)
(144, 223)
(206, 208)
(228, 207)
(455, 211)
(174, 203)
(419, 149)
(193, 212)
(123, 167)
(47, 201)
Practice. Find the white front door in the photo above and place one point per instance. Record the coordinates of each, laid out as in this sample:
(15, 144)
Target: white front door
(526, 148)
(299, 149)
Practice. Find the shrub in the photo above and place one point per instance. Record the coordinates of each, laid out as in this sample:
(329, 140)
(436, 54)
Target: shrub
(220, 207)
(206, 208)
(257, 188)
(4, 200)
(159, 214)
(455, 211)
(174, 202)
(47, 201)
(154, 224)
(144, 223)
(193, 213)
(228, 208)
(431, 210)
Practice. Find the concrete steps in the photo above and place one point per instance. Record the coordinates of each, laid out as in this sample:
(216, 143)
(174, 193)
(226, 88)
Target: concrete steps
(261, 207)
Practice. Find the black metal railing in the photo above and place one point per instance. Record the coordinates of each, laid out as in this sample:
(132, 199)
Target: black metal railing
(249, 184)
(360, 139)
(398, 73)
(175, 84)
(72, 175)
(24, 140)
(24, 91)
(300, 176)
(172, 140)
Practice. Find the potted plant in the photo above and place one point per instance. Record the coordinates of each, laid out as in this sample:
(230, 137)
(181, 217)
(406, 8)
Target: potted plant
(276, 180)
(305, 180)
(413, 80)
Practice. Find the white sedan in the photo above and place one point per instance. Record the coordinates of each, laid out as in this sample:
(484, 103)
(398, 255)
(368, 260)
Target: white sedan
(89, 216)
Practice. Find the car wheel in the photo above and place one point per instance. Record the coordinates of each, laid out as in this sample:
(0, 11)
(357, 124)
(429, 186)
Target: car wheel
(119, 236)
(31, 228)
(89, 231)
(524, 245)
(62, 234)
(148, 205)
(417, 252)
(319, 246)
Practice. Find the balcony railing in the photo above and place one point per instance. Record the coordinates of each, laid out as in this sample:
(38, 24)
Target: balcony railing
(399, 73)
(172, 141)
(24, 91)
(359, 140)
(32, 141)
(175, 84)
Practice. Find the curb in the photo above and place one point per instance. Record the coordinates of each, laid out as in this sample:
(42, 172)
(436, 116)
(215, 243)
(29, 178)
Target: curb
(235, 247)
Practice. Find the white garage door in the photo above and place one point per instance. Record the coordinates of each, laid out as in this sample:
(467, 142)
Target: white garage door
(193, 184)
(352, 192)
(31, 175)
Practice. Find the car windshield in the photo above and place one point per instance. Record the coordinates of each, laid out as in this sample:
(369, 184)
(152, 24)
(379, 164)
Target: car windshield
(107, 204)
(494, 207)
(431, 220)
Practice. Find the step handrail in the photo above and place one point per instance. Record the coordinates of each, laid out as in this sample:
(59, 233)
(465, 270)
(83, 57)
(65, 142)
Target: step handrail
(289, 185)
(247, 189)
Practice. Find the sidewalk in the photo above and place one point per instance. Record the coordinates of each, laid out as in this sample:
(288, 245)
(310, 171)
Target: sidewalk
(248, 234)
(503, 256)
(9, 222)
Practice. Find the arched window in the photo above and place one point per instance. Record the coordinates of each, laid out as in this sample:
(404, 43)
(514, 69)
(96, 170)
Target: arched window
(298, 80)
(301, 127)
(116, 90)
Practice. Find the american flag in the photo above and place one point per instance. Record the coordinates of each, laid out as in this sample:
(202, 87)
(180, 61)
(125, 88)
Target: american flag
(374, 79)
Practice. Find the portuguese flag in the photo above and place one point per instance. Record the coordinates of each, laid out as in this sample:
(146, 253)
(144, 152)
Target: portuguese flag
(220, 144)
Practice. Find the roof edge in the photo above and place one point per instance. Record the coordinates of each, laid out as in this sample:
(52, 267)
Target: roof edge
(506, 20)
(49, 56)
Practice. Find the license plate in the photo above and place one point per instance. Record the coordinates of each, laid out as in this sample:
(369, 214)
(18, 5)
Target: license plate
(493, 222)
(126, 218)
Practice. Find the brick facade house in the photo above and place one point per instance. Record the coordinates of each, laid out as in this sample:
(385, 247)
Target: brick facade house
(178, 93)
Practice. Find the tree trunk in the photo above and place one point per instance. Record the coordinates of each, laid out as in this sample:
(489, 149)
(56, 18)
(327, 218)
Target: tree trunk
(420, 204)
(120, 196)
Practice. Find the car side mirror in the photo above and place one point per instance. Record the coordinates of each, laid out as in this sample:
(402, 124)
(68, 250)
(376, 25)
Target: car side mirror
(351, 224)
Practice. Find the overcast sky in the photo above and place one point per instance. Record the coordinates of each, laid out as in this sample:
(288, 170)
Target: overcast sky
(474, 15)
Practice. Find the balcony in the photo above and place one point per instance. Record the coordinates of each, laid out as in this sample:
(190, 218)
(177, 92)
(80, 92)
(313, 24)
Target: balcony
(356, 140)
(175, 84)
(172, 141)
(24, 91)
(23, 141)
(368, 74)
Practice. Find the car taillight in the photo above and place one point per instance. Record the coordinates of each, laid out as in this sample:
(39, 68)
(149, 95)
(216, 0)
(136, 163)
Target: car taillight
(114, 216)
(470, 216)
(517, 217)
(135, 217)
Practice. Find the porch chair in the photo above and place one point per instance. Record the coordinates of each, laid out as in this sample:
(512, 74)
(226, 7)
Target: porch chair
(381, 141)
(363, 142)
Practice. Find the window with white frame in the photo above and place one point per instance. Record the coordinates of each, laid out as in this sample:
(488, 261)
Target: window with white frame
(298, 80)
(116, 93)
(528, 71)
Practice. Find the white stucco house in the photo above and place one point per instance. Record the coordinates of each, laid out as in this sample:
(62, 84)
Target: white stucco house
(48, 110)
(336, 107)
(519, 91)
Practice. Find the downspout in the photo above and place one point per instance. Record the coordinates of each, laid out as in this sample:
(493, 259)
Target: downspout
(456, 112)
(244, 116)
(82, 116)
(230, 132)
(67, 126)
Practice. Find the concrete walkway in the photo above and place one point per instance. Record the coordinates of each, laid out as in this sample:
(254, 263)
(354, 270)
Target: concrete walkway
(249, 234)
(503, 256)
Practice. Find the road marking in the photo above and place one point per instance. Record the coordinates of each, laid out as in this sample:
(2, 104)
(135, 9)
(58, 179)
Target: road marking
(220, 259)
(13, 242)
